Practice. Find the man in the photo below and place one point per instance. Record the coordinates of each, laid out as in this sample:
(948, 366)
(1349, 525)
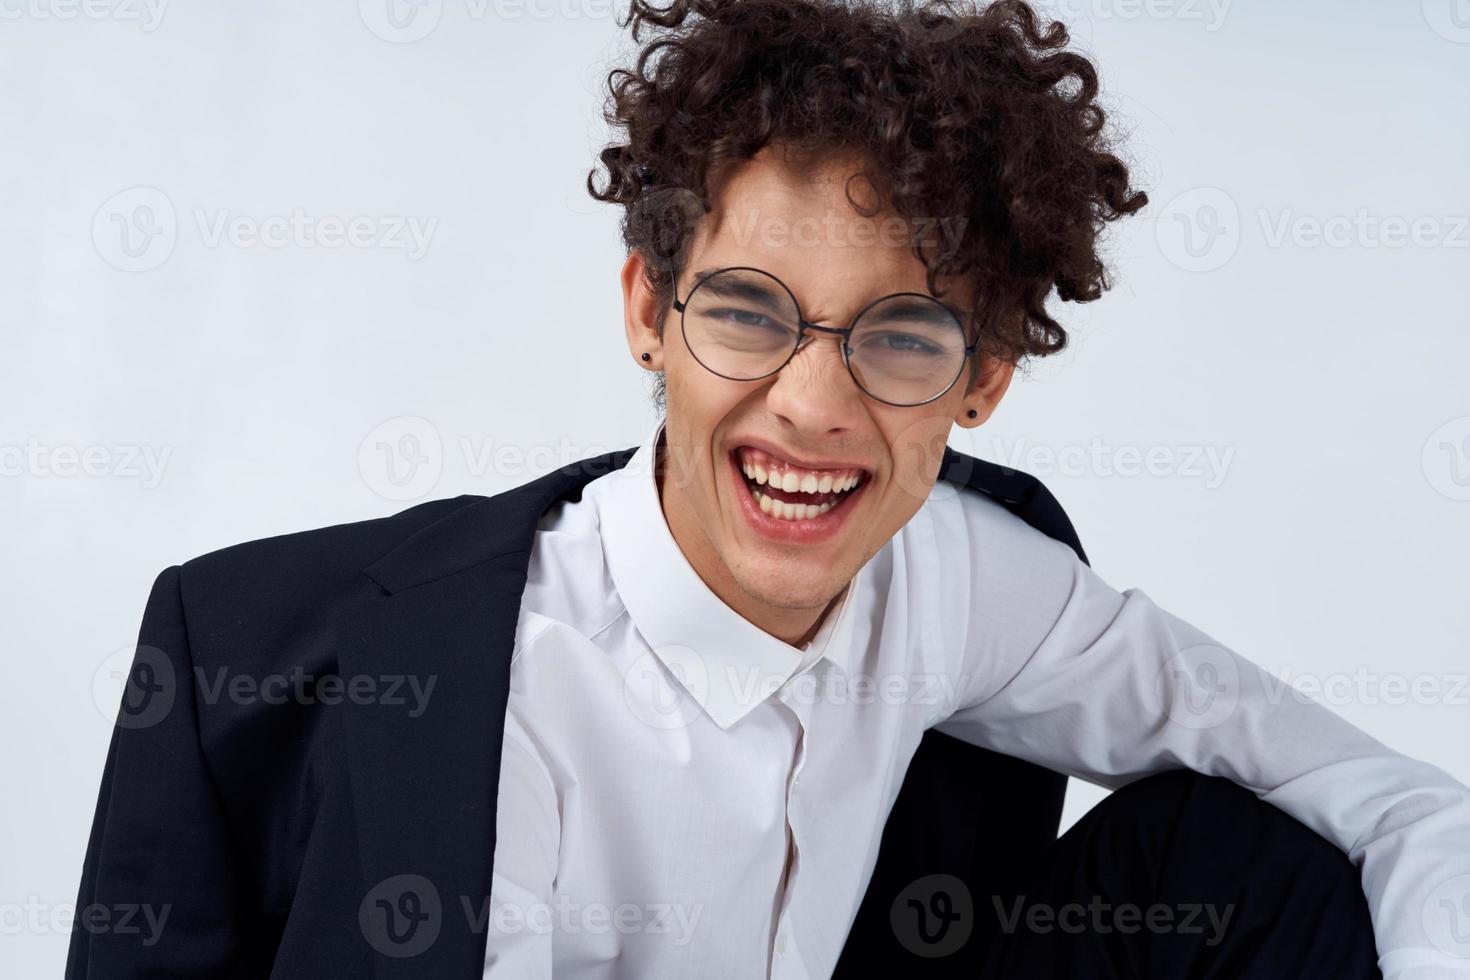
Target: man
(670, 699)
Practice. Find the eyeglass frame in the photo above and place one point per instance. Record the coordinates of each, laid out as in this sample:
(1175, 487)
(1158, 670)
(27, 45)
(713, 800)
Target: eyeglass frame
(803, 325)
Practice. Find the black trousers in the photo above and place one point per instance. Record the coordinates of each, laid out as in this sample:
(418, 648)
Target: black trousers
(1182, 875)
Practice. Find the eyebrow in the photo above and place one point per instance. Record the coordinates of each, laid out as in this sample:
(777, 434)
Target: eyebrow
(913, 308)
(748, 288)
(932, 310)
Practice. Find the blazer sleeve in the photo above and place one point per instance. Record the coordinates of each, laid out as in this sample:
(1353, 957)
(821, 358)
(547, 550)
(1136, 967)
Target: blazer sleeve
(160, 892)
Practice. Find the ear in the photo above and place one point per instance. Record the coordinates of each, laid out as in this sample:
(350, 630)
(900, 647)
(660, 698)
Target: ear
(992, 378)
(640, 314)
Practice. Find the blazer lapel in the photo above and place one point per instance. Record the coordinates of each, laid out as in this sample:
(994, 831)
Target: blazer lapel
(440, 609)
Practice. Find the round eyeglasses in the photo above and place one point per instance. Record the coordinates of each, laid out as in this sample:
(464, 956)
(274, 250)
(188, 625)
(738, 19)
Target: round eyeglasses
(744, 324)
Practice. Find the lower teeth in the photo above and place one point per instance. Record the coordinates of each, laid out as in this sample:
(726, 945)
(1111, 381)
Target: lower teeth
(787, 511)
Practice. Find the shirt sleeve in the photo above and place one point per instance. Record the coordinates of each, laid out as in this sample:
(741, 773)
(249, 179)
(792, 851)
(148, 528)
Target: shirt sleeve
(527, 841)
(1116, 688)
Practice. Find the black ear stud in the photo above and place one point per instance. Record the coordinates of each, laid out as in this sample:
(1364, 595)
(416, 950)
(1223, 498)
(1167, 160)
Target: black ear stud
(973, 413)
(645, 355)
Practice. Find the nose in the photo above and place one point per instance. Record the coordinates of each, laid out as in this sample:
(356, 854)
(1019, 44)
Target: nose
(814, 392)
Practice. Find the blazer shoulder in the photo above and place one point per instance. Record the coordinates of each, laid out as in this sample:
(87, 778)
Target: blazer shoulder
(1021, 493)
(307, 570)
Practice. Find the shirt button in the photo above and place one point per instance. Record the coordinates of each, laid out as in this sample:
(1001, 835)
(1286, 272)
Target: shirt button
(781, 942)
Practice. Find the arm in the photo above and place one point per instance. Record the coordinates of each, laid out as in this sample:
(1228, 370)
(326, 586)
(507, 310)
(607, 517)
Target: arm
(1115, 688)
(159, 852)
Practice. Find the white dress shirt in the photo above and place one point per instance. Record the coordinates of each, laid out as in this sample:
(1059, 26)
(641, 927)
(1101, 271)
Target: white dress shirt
(682, 794)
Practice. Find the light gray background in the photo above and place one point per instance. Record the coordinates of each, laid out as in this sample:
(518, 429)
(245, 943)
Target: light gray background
(1325, 372)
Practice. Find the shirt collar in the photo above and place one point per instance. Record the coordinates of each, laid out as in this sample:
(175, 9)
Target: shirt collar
(725, 662)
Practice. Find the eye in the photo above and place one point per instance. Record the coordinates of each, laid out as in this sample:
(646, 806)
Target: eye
(905, 343)
(746, 318)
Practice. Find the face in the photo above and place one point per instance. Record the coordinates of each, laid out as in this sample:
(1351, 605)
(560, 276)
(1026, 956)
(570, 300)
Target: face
(809, 423)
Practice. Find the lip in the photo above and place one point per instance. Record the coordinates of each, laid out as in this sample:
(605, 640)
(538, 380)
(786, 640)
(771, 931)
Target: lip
(774, 450)
(806, 532)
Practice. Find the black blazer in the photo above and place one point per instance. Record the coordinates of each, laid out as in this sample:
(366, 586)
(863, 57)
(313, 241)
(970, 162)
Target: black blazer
(292, 826)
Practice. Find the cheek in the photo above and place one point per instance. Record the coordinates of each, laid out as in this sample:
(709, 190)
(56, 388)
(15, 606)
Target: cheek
(902, 498)
(698, 414)
(916, 452)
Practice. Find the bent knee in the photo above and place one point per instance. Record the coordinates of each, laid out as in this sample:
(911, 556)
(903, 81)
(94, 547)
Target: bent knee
(1211, 820)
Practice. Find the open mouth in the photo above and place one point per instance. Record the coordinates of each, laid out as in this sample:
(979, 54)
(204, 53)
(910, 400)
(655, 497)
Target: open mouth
(792, 493)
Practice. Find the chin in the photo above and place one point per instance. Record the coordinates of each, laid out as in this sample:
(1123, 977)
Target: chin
(787, 587)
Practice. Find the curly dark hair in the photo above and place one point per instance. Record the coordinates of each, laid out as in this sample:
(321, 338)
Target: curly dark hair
(958, 109)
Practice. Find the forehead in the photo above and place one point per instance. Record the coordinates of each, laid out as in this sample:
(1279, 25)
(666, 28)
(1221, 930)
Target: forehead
(791, 217)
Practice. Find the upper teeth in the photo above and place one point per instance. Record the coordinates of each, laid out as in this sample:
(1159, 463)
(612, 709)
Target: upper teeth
(765, 469)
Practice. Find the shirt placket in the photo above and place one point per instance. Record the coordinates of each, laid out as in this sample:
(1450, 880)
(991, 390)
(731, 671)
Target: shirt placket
(786, 959)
